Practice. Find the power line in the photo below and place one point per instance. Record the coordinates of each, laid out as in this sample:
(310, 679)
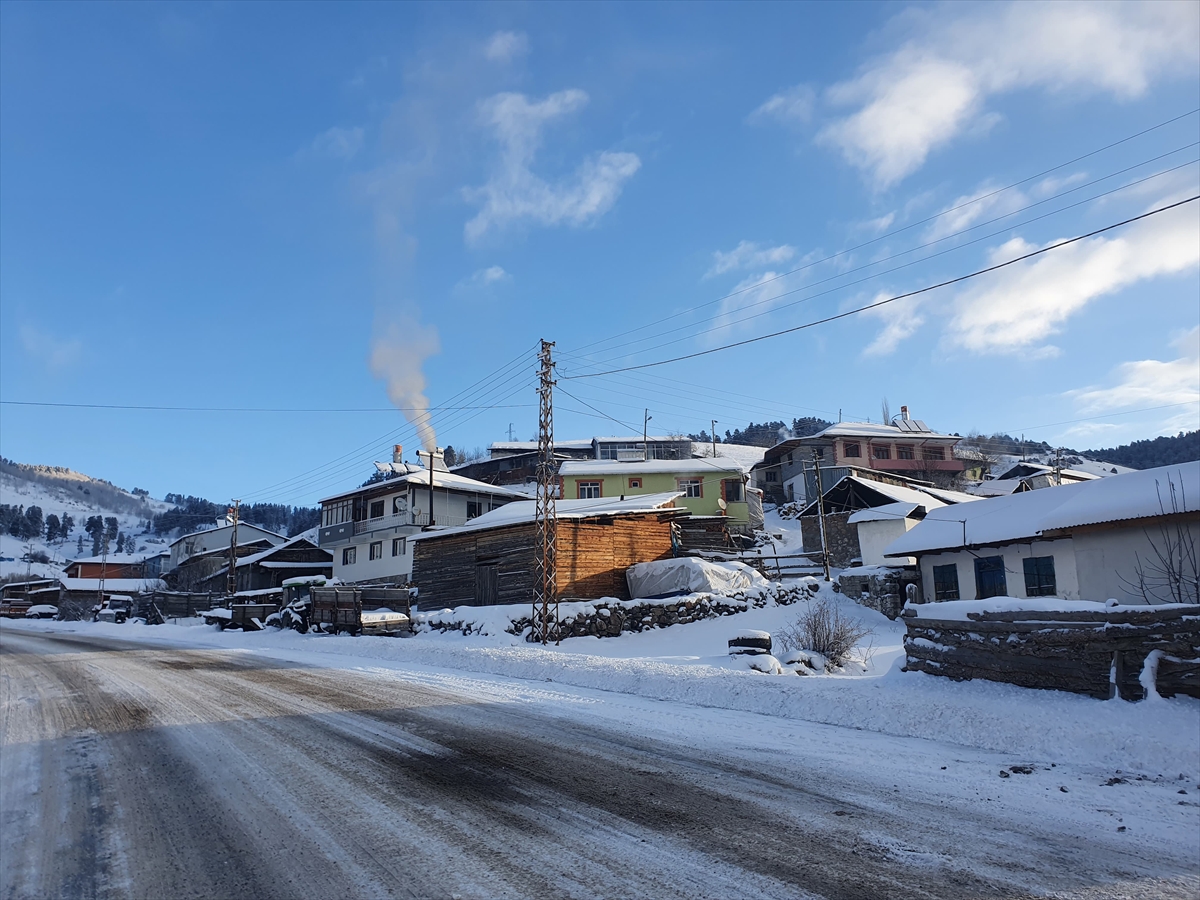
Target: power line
(594, 409)
(873, 263)
(249, 409)
(879, 303)
(902, 229)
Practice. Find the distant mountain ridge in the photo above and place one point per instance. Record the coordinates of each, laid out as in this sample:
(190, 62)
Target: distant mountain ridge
(1159, 451)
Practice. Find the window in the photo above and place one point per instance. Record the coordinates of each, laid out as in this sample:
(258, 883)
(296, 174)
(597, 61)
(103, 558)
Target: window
(1039, 576)
(635, 484)
(376, 550)
(691, 487)
(945, 582)
(989, 577)
(850, 449)
(789, 459)
(772, 475)
(905, 451)
(349, 555)
(398, 546)
(337, 512)
(473, 509)
(732, 488)
(933, 453)
(376, 511)
(589, 490)
(881, 452)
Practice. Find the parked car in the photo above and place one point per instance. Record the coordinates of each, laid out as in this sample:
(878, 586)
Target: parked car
(42, 611)
(114, 609)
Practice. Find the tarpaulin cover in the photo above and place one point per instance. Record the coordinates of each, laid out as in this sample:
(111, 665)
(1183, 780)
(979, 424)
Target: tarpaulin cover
(688, 575)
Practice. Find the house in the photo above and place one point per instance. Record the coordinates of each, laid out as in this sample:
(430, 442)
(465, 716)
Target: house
(368, 529)
(908, 447)
(217, 538)
(515, 462)
(863, 517)
(297, 557)
(492, 559)
(1092, 540)
(195, 572)
(118, 565)
(709, 486)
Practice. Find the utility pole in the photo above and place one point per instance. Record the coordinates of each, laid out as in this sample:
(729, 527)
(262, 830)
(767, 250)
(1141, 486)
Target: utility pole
(510, 432)
(231, 578)
(545, 588)
(645, 439)
(103, 568)
(1058, 466)
(714, 438)
(821, 513)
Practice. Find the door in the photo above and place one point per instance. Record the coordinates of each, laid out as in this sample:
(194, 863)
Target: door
(989, 577)
(487, 584)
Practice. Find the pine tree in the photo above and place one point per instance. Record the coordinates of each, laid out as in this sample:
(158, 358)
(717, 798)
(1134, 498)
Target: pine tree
(52, 528)
(111, 527)
(79, 547)
(34, 523)
(121, 542)
(95, 528)
(64, 528)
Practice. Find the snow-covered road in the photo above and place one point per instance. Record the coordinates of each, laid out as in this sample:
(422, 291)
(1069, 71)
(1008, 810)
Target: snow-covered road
(130, 768)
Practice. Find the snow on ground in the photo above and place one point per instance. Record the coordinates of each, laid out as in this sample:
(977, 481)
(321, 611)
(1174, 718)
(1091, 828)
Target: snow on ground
(688, 664)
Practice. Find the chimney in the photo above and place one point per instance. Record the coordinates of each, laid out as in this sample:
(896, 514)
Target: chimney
(904, 413)
(398, 453)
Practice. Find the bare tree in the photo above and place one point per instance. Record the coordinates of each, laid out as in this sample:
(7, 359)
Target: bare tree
(1170, 571)
(886, 409)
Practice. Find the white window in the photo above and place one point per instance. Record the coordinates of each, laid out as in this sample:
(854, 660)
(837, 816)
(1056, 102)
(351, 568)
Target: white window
(589, 490)
(376, 550)
(398, 546)
(349, 555)
(691, 487)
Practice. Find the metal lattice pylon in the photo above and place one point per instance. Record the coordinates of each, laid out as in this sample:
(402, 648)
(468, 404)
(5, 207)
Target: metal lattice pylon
(546, 581)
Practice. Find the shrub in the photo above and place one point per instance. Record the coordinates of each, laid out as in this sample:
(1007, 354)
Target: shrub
(823, 628)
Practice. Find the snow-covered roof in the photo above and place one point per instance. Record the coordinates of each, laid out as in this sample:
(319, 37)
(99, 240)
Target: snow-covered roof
(747, 455)
(888, 512)
(242, 527)
(444, 480)
(1071, 474)
(112, 584)
(584, 467)
(310, 536)
(524, 511)
(995, 488)
(118, 559)
(869, 429)
(1028, 515)
(927, 496)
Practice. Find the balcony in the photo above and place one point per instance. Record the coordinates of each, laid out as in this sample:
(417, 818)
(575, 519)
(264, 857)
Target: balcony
(405, 520)
(909, 465)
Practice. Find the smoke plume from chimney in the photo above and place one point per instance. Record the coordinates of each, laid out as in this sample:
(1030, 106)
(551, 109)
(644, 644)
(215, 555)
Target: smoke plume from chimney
(396, 358)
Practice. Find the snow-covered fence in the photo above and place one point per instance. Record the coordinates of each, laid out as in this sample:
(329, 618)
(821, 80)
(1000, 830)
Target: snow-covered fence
(1096, 651)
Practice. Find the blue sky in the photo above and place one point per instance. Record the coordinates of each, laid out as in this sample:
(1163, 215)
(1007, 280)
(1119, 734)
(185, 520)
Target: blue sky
(320, 207)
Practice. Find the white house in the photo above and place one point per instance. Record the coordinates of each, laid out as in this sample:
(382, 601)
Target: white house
(367, 529)
(218, 538)
(1092, 540)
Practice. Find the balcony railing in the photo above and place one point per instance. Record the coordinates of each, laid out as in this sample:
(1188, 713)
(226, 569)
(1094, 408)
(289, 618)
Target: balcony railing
(405, 520)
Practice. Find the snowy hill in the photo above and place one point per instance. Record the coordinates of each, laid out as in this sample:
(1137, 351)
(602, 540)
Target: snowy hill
(64, 491)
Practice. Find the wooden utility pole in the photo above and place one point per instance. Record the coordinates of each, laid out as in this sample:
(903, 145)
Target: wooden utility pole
(231, 578)
(714, 438)
(103, 568)
(645, 439)
(821, 513)
(545, 589)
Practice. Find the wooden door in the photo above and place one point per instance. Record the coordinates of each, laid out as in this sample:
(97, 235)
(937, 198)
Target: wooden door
(487, 584)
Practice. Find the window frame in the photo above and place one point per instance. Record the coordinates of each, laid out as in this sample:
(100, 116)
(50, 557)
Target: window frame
(582, 486)
(852, 449)
(376, 505)
(687, 484)
(906, 451)
(986, 565)
(399, 543)
(635, 484)
(881, 451)
(941, 586)
(349, 556)
(772, 476)
(1044, 584)
(739, 494)
(375, 550)
(934, 454)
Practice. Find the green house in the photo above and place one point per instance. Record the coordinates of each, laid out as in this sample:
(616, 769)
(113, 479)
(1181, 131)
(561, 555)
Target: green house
(710, 487)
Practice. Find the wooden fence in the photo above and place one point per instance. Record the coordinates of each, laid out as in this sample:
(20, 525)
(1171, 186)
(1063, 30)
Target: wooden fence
(1101, 653)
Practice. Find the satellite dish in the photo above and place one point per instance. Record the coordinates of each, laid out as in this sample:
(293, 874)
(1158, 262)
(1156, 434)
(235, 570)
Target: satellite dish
(722, 504)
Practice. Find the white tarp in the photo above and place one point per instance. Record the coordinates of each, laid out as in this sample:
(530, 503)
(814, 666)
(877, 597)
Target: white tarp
(689, 575)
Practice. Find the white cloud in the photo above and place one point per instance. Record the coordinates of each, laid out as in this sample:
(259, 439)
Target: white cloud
(338, 143)
(1023, 305)
(485, 278)
(1150, 382)
(505, 46)
(793, 106)
(53, 352)
(965, 211)
(514, 192)
(901, 321)
(749, 255)
(933, 88)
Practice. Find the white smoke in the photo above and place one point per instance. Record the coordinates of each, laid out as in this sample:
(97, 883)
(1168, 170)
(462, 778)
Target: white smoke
(397, 357)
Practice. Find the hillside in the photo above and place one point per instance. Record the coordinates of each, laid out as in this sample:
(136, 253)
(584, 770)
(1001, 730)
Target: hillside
(1160, 451)
(64, 492)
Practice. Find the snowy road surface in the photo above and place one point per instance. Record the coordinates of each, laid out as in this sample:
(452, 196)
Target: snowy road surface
(130, 769)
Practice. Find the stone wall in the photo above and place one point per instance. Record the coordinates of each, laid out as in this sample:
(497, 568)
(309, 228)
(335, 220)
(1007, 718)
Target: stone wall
(881, 588)
(842, 538)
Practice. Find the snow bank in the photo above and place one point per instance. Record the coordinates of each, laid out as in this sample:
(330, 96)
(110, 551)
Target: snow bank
(963, 610)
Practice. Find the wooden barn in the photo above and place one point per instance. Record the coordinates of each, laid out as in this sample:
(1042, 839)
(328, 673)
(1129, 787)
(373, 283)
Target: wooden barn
(492, 560)
(269, 568)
